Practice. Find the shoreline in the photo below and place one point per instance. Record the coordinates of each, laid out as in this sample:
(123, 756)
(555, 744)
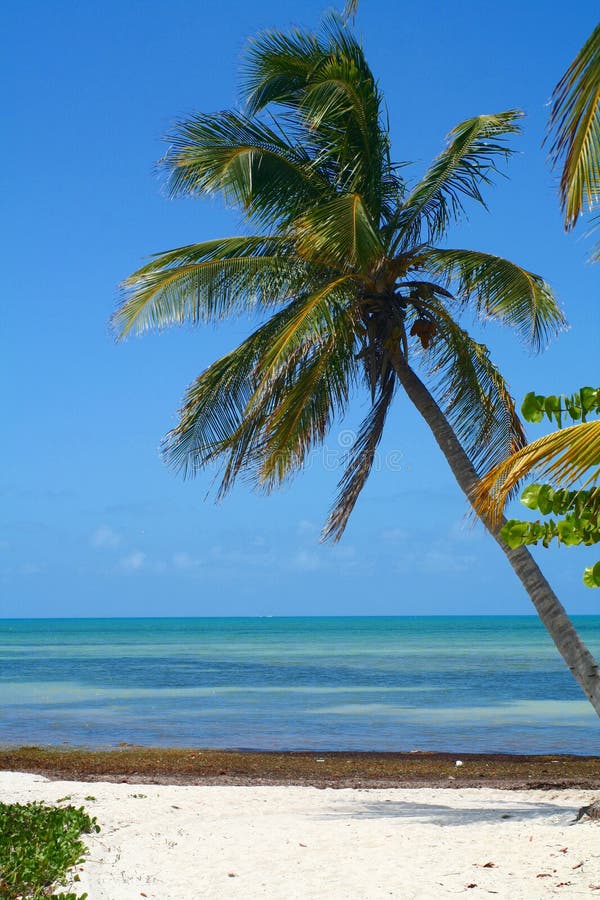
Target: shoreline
(332, 769)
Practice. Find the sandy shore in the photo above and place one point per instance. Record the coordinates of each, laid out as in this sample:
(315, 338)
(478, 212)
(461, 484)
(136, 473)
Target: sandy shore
(167, 842)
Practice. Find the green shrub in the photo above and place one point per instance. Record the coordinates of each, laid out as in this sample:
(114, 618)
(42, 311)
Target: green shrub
(38, 845)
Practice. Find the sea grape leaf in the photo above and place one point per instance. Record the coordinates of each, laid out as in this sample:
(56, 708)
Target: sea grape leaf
(568, 533)
(591, 576)
(529, 497)
(515, 533)
(544, 499)
(589, 398)
(532, 407)
(573, 408)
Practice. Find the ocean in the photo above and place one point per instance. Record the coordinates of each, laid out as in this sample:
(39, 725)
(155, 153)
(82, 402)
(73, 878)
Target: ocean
(465, 683)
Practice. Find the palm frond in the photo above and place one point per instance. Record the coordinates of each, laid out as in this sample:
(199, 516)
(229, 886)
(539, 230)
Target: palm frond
(350, 9)
(311, 319)
(563, 458)
(360, 460)
(228, 409)
(325, 81)
(499, 289)
(339, 233)
(470, 390)
(208, 281)
(251, 165)
(277, 67)
(575, 126)
(317, 395)
(467, 163)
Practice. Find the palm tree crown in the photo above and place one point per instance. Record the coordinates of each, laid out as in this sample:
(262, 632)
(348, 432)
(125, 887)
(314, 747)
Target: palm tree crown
(346, 271)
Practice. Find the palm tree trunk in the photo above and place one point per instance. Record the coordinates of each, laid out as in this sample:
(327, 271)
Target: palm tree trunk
(547, 605)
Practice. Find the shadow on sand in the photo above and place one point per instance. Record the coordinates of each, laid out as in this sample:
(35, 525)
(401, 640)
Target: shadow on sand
(436, 814)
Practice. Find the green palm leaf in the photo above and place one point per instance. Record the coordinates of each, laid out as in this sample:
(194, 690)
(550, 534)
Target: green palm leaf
(327, 84)
(350, 8)
(238, 409)
(471, 391)
(360, 460)
(318, 394)
(277, 67)
(205, 282)
(340, 234)
(251, 165)
(575, 125)
(313, 317)
(500, 290)
(469, 160)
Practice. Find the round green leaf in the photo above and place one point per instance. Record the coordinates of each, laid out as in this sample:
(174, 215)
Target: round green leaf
(514, 533)
(532, 407)
(589, 398)
(545, 498)
(552, 405)
(529, 497)
(568, 534)
(591, 576)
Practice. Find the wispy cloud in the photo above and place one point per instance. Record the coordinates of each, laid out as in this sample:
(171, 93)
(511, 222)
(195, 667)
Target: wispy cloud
(395, 535)
(133, 562)
(307, 561)
(306, 527)
(436, 558)
(259, 555)
(184, 562)
(105, 537)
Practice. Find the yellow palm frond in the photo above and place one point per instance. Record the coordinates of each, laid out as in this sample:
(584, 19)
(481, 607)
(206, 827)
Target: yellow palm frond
(562, 458)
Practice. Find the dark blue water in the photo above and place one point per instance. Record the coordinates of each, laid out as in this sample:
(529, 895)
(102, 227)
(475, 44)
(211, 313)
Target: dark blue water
(399, 683)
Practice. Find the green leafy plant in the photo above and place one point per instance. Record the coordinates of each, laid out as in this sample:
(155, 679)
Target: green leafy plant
(557, 408)
(38, 846)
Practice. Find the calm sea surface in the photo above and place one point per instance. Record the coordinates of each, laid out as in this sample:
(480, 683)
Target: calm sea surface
(402, 683)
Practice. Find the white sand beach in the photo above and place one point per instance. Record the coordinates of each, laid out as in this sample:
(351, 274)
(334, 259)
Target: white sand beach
(282, 843)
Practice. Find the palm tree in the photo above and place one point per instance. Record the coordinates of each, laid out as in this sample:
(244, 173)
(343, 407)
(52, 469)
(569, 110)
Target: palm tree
(351, 286)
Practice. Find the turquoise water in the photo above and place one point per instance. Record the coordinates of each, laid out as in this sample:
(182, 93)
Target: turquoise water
(399, 683)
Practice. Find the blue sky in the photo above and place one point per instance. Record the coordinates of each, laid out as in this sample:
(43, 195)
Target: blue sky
(92, 521)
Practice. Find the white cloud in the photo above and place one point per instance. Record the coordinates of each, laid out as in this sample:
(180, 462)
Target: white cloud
(105, 538)
(304, 526)
(307, 561)
(436, 559)
(133, 562)
(395, 535)
(184, 562)
(259, 557)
